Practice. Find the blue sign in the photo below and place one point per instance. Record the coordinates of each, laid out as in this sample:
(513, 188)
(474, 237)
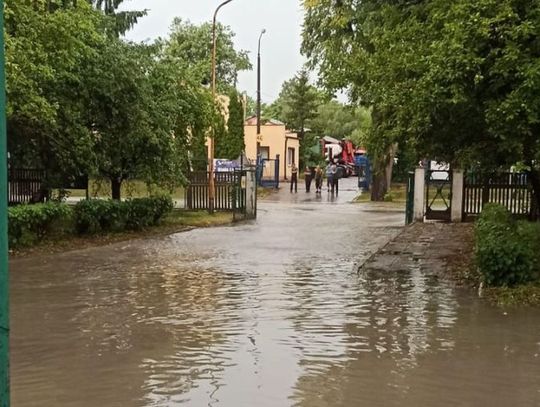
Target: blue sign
(226, 165)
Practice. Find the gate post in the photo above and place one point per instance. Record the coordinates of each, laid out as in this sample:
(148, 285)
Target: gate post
(276, 171)
(456, 214)
(419, 193)
(409, 208)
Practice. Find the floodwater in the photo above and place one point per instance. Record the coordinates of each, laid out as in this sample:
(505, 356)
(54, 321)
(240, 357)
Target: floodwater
(271, 313)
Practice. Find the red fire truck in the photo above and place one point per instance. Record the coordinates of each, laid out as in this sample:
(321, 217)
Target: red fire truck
(342, 152)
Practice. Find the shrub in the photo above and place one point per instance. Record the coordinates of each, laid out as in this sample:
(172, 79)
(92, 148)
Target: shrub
(506, 251)
(145, 212)
(30, 223)
(27, 224)
(94, 216)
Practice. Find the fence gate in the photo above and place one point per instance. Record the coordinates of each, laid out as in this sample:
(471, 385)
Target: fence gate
(26, 186)
(268, 173)
(236, 191)
(511, 190)
(197, 191)
(438, 194)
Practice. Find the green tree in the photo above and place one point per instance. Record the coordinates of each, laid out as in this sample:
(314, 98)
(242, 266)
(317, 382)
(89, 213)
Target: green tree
(340, 121)
(144, 114)
(46, 55)
(191, 45)
(232, 145)
(297, 106)
(454, 81)
(122, 21)
(273, 110)
(251, 106)
(300, 101)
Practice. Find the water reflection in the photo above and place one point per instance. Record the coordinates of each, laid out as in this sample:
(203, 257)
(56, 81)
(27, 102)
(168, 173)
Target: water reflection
(267, 314)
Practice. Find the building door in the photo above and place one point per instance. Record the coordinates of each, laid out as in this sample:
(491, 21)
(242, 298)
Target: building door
(290, 156)
(264, 153)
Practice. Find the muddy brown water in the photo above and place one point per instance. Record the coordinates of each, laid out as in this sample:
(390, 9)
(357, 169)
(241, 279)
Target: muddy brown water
(271, 313)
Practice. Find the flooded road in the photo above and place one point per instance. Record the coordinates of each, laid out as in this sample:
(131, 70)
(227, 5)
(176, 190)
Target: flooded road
(271, 313)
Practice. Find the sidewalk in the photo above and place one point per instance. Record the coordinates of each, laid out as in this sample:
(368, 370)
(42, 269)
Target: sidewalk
(438, 248)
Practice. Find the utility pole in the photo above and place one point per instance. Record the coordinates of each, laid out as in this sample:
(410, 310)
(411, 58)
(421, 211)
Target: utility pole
(4, 276)
(259, 84)
(211, 142)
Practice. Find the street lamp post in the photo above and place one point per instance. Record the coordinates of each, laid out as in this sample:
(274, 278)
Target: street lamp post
(4, 278)
(259, 83)
(211, 146)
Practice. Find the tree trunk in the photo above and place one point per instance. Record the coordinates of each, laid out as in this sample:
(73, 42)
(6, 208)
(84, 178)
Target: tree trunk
(379, 186)
(534, 177)
(382, 174)
(392, 150)
(116, 184)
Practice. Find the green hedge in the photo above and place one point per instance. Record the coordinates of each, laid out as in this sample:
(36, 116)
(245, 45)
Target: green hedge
(507, 252)
(94, 216)
(27, 224)
(30, 223)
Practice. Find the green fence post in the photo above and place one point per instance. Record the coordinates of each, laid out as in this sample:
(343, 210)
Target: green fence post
(4, 277)
(409, 209)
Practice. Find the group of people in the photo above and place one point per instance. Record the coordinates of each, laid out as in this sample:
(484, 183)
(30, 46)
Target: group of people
(317, 174)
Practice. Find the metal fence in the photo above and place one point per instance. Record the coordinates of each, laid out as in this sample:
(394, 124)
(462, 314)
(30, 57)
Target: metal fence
(26, 186)
(197, 191)
(512, 190)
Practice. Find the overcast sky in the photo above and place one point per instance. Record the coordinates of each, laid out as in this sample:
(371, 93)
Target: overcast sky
(280, 47)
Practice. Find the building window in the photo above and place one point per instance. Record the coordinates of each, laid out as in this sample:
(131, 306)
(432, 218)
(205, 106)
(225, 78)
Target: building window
(264, 153)
(290, 156)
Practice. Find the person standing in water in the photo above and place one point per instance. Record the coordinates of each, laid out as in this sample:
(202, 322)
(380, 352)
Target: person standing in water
(329, 176)
(308, 177)
(337, 176)
(334, 178)
(294, 177)
(318, 179)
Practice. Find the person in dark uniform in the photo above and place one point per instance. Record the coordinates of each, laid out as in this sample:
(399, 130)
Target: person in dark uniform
(308, 177)
(294, 178)
(334, 178)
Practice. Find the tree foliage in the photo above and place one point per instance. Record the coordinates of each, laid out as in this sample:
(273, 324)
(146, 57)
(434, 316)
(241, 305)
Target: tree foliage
(46, 56)
(191, 45)
(341, 121)
(81, 101)
(457, 81)
(297, 106)
(121, 21)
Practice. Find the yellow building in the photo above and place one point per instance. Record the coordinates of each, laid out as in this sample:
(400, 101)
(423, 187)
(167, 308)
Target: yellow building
(273, 140)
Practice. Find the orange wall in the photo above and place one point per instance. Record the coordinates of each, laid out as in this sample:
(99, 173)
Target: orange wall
(275, 137)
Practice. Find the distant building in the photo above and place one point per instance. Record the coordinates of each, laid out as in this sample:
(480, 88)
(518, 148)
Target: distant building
(274, 139)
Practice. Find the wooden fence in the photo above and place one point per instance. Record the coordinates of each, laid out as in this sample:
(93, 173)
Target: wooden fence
(26, 186)
(197, 191)
(512, 190)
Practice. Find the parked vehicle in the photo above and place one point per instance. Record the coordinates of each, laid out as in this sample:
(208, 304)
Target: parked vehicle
(342, 153)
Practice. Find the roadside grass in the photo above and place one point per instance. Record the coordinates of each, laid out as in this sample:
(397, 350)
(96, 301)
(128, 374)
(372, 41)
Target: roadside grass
(197, 219)
(396, 194)
(175, 222)
(467, 274)
(523, 295)
(130, 189)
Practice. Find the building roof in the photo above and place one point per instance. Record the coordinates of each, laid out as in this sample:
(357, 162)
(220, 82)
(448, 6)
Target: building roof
(252, 121)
